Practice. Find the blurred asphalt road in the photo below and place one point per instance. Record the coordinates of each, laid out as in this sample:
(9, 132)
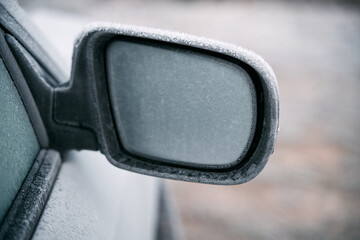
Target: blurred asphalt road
(310, 189)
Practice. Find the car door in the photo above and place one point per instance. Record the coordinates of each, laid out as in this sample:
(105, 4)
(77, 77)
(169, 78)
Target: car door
(89, 196)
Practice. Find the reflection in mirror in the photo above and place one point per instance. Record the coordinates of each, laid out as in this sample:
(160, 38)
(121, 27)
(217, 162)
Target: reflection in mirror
(180, 106)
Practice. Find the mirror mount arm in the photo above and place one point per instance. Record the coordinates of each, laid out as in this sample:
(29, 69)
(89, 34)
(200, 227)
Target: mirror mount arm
(71, 111)
(76, 104)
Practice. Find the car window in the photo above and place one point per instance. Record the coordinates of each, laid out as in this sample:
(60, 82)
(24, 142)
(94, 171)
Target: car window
(18, 142)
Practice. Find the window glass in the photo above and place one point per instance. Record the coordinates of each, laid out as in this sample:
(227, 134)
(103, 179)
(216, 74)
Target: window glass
(18, 142)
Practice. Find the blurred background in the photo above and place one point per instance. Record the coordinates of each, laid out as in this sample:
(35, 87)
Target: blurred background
(310, 189)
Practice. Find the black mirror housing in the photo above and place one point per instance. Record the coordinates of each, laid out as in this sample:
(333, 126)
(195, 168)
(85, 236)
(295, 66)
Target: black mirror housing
(84, 103)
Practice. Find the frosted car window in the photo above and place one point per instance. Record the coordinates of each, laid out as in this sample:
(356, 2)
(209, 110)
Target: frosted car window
(18, 143)
(180, 106)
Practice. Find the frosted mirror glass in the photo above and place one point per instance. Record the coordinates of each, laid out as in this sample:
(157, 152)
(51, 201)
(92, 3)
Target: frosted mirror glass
(178, 105)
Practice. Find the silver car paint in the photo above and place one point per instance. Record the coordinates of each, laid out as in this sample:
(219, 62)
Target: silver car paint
(92, 199)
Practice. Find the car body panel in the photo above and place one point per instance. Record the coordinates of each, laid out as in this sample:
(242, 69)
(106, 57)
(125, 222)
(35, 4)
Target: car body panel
(93, 200)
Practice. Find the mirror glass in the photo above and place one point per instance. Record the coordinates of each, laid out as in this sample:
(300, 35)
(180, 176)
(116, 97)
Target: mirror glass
(178, 105)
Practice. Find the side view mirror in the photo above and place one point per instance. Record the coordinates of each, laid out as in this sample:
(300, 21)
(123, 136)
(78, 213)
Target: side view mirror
(170, 105)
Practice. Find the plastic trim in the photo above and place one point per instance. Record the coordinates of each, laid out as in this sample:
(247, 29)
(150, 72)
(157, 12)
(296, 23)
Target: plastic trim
(24, 213)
